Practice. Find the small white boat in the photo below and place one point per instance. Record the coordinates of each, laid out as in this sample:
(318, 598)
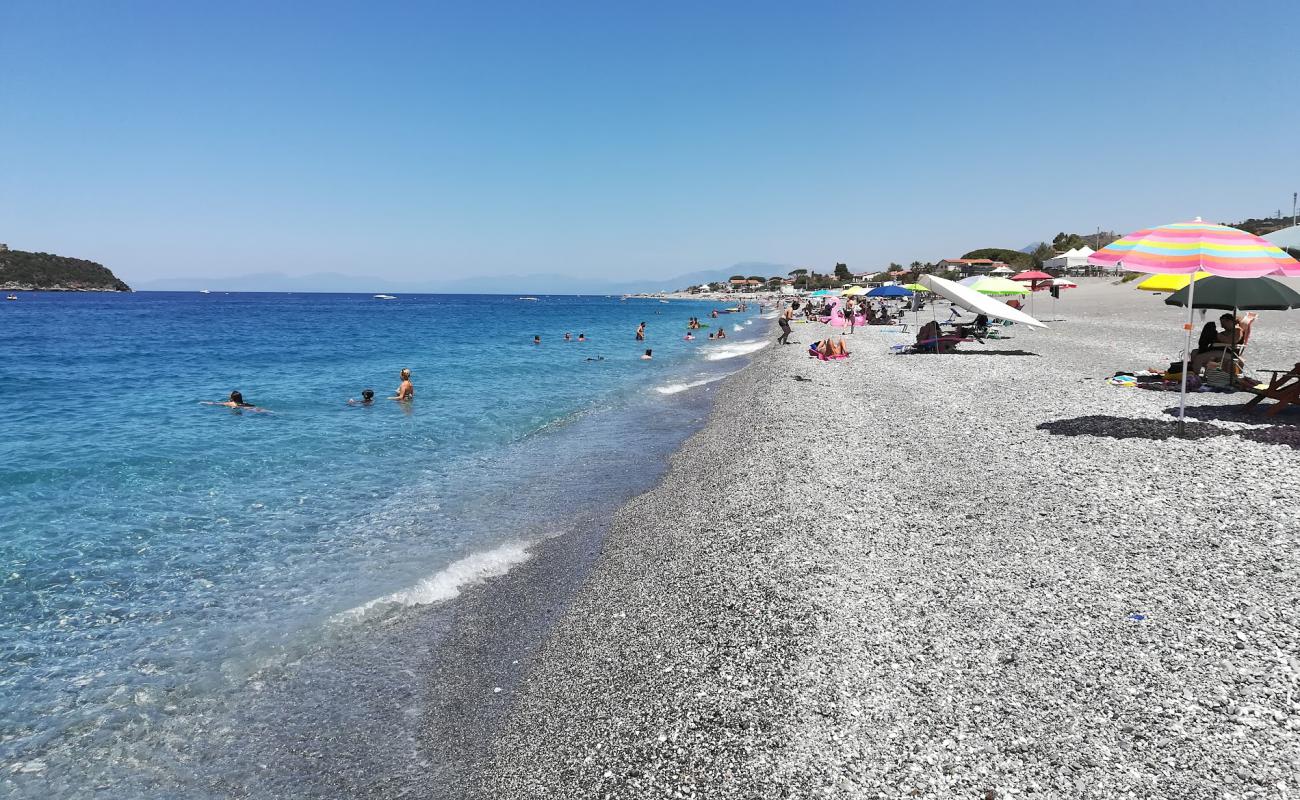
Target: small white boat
(533, 299)
(12, 297)
(384, 297)
(205, 291)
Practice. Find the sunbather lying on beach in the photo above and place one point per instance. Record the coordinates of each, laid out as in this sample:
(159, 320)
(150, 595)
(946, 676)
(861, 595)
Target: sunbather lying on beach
(829, 348)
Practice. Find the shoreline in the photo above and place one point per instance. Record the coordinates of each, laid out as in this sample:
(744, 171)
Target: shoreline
(1014, 580)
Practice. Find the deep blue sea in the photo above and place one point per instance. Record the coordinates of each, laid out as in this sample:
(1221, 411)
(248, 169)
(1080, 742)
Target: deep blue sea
(161, 559)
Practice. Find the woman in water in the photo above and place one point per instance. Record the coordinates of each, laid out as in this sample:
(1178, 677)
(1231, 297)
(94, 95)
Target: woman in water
(640, 332)
(582, 337)
(537, 340)
(721, 334)
(646, 356)
(405, 391)
(236, 401)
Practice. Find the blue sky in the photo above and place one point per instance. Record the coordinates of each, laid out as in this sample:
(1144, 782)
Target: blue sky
(622, 140)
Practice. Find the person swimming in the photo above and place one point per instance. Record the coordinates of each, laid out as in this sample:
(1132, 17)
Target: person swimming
(236, 401)
(567, 337)
(537, 340)
(406, 390)
(721, 334)
(582, 337)
(646, 356)
(690, 337)
(367, 398)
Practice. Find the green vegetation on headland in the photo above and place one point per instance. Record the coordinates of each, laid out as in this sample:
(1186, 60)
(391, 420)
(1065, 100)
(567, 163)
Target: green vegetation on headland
(23, 271)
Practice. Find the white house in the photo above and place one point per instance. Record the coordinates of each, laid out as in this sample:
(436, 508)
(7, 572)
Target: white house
(1074, 258)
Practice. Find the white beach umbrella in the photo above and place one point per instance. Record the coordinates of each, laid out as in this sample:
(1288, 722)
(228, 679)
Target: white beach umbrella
(972, 300)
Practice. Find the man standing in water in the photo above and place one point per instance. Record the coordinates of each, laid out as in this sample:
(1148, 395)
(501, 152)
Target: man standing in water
(640, 332)
(405, 391)
(787, 314)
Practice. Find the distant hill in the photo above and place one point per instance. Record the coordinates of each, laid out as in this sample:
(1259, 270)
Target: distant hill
(23, 271)
(537, 283)
(1259, 227)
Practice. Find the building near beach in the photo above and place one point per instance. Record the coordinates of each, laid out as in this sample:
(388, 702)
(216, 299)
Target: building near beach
(970, 266)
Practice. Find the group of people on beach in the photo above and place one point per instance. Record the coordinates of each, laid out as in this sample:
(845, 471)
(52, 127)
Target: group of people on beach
(404, 393)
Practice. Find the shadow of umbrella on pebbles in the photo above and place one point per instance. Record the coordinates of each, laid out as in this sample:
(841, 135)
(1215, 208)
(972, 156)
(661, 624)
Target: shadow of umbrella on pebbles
(1130, 428)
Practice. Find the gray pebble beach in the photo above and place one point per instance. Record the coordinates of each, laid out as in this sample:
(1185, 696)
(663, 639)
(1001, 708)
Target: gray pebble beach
(978, 575)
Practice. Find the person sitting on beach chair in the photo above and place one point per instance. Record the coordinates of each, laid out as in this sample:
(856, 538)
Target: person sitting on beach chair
(1227, 347)
(931, 339)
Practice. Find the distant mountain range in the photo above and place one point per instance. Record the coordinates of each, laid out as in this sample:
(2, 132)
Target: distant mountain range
(536, 283)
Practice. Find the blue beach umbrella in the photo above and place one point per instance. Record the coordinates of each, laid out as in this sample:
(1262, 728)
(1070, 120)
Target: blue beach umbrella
(889, 291)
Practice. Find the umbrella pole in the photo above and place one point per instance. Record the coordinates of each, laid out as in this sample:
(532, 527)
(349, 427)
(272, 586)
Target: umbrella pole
(1187, 352)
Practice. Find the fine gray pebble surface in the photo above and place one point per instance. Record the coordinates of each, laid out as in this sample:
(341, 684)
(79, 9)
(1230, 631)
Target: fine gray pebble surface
(985, 575)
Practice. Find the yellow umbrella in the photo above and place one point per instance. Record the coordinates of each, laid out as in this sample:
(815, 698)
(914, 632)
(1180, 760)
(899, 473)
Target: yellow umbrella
(1169, 283)
(916, 287)
(854, 291)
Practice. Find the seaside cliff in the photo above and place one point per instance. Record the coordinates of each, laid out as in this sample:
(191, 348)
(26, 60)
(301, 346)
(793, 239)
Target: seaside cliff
(46, 272)
(952, 576)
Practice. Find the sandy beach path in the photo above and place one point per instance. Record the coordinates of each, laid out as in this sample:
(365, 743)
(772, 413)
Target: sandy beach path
(973, 575)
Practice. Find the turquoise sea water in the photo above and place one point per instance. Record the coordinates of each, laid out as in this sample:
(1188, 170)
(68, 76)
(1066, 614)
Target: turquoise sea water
(159, 556)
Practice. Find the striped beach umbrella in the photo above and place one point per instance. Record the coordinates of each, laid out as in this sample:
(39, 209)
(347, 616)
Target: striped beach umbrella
(1185, 248)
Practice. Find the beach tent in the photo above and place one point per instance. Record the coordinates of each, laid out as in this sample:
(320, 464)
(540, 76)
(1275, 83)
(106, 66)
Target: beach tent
(854, 291)
(971, 300)
(1188, 248)
(1169, 283)
(1074, 258)
(1003, 270)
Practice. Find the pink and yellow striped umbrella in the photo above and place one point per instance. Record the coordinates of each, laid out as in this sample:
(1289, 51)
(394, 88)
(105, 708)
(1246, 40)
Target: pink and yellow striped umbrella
(1187, 247)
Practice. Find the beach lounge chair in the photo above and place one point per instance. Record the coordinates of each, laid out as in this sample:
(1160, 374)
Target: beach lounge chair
(1283, 388)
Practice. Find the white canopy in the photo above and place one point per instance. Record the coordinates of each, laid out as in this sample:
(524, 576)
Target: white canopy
(1074, 258)
(1287, 237)
(972, 300)
(1001, 271)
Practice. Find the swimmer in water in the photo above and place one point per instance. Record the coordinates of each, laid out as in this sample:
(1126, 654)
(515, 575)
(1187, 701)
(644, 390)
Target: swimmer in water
(722, 334)
(537, 340)
(367, 398)
(405, 391)
(647, 356)
(690, 337)
(582, 337)
(236, 401)
(597, 358)
(567, 337)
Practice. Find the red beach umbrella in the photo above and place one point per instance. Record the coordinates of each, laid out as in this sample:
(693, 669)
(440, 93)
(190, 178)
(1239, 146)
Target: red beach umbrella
(1032, 275)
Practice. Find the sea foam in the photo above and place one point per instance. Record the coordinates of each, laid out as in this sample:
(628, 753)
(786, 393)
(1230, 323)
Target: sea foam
(735, 350)
(445, 584)
(674, 388)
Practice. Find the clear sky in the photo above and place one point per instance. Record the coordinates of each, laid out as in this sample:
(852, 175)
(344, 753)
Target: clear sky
(626, 139)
